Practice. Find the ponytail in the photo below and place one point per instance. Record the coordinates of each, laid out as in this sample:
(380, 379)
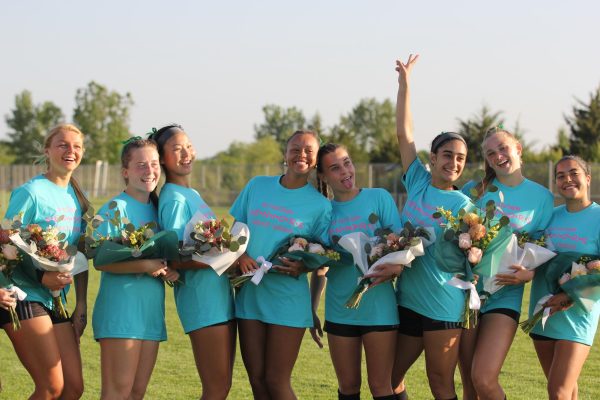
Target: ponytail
(84, 203)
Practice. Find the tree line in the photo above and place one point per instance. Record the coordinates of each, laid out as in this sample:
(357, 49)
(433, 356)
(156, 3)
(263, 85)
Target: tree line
(368, 130)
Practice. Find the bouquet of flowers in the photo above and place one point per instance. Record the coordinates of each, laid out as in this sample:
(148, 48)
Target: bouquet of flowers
(386, 247)
(299, 248)
(212, 242)
(576, 274)
(130, 243)
(471, 244)
(47, 250)
(521, 250)
(9, 259)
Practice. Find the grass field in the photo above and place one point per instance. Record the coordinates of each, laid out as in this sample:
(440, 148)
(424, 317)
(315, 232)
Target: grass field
(175, 374)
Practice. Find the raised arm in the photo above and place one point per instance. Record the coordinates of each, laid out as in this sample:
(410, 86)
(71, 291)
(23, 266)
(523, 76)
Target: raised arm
(404, 126)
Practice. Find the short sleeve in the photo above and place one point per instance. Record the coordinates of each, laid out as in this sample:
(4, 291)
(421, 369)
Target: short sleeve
(239, 209)
(21, 201)
(416, 176)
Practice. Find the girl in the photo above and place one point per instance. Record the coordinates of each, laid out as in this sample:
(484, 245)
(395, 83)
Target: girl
(205, 302)
(430, 311)
(273, 315)
(374, 324)
(48, 346)
(528, 205)
(129, 314)
(564, 344)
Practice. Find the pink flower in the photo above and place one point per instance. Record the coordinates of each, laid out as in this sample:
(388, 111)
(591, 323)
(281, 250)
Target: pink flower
(464, 241)
(474, 255)
(564, 278)
(477, 231)
(9, 251)
(593, 266)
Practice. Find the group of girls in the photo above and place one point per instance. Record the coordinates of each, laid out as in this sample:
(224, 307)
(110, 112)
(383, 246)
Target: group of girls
(394, 324)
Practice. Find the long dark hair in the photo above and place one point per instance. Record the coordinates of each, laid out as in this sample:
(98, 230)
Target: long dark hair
(323, 151)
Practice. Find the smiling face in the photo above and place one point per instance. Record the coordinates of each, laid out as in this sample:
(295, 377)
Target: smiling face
(301, 154)
(338, 171)
(143, 170)
(448, 162)
(64, 151)
(502, 152)
(571, 180)
(178, 155)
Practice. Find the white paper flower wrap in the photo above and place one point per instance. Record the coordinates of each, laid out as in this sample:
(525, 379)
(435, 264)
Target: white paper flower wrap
(219, 261)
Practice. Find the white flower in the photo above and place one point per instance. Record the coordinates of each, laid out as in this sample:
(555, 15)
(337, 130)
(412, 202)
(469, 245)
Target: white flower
(316, 248)
(564, 278)
(464, 241)
(9, 251)
(296, 247)
(474, 255)
(376, 251)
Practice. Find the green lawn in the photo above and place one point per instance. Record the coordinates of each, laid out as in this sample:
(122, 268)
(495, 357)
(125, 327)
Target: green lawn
(175, 374)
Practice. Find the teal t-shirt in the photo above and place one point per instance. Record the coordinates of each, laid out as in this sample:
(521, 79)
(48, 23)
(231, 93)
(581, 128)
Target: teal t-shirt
(529, 207)
(272, 213)
(43, 202)
(205, 298)
(378, 305)
(129, 306)
(577, 232)
(422, 288)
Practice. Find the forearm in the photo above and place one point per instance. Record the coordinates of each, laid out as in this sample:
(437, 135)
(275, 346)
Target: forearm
(317, 284)
(81, 286)
(190, 264)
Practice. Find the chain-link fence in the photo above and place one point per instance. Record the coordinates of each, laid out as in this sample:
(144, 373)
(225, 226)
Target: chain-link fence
(220, 184)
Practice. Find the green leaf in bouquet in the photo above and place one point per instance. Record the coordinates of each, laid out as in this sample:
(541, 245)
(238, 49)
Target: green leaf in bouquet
(490, 214)
(492, 188)
(205, 247)
(463, 227)
(226, 235)
(112, 205)
(368, 248)
(17, 224)
(462, 212)
(242, 239)
(61, 236)
(198, 237)
(234, 246)
(125, 221)
(415, 241)
(225, 223)
(373, 218)
(473, 192)
(449, 235)
(437, 215)
(89, 240)
(219, 231)
(420, 231)
(490, 205)
(71, 250)
(129, 228)
(152, 225)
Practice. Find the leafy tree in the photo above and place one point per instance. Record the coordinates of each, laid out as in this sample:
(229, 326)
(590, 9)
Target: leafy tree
(369, 130)
(6, 155)
(103, 117)
(280, 122)
(28, 124)
(584, 125)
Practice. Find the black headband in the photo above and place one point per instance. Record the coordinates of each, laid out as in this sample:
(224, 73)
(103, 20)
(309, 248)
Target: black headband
(443, 138)
(163, 134)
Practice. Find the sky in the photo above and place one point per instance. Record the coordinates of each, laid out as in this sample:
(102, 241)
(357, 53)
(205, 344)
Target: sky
(212, 66)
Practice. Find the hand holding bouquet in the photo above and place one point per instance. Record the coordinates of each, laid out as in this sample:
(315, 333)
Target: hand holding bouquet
(9, 259)
(212, 242)
(386, 247)
(48, 251)
(472, 243)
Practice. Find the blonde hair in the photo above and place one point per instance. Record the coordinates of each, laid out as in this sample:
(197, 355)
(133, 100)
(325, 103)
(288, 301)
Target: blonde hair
(83, 201)
(490, 174)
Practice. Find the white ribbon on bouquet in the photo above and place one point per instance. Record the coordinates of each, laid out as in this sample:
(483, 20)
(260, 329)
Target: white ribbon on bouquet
(219, 261)
(530, 256)
(474, 301)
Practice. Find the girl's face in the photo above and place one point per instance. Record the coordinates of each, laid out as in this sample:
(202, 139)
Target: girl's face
(143, 170)
(65, 151)
(301, 154)
(178, 155)
(571, 180)
(502, 153)
(338, 171)
(448, 162)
